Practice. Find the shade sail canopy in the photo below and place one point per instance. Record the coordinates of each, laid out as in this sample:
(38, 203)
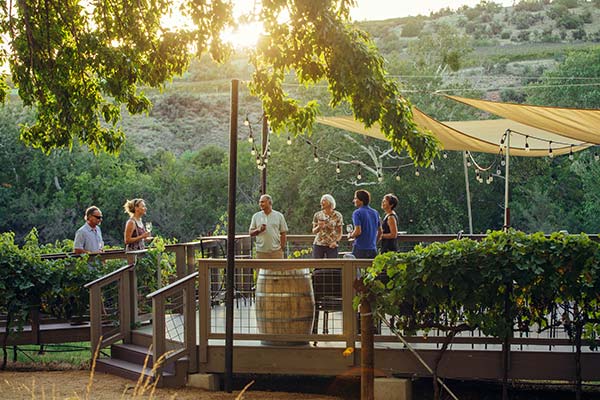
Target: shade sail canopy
(477, 136)
(578, 124)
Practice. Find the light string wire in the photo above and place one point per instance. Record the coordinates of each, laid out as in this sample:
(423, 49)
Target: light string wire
(262, 159)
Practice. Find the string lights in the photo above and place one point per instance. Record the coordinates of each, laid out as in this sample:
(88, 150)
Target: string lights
(482, 173)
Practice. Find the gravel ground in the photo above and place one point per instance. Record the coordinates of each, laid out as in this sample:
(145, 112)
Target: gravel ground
(55, 385)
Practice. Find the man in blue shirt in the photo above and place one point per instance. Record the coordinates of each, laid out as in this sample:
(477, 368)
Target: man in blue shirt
(367, 228)
(88, 238)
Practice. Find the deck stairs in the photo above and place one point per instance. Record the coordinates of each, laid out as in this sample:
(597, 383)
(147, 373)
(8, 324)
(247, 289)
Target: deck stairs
(127, 361)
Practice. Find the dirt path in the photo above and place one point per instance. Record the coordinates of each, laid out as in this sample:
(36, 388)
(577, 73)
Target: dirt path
(59, 385)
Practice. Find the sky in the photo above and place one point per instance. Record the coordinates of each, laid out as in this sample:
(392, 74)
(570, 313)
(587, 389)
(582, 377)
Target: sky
(385, 9)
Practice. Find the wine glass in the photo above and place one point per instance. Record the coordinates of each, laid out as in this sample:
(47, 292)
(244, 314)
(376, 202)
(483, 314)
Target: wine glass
(149, 227)
(349, 228)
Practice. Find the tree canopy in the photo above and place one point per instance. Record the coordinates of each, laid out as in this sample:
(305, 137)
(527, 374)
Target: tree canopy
(77, 62)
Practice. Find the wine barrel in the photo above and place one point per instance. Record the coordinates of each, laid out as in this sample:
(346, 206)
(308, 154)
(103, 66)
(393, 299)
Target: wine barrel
(285, 303)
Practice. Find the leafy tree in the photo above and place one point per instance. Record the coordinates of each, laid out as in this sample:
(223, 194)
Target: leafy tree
(78, 62)
(444, 47)
(562, 86)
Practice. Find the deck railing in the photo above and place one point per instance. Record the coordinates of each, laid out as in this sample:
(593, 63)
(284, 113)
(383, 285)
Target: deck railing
(174, 322)
(247, 319)
(122, 279)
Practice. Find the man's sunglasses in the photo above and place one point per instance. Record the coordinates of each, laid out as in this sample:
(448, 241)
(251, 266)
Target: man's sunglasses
(98, 216)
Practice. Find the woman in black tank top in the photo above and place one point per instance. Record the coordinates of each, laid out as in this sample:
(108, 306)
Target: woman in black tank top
(389, 225)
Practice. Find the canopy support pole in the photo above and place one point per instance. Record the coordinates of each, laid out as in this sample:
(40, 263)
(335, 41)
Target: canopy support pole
(265, 134)
(506, 183)
(468, 189)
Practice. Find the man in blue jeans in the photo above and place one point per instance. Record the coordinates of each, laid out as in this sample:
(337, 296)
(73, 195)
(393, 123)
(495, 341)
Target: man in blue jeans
(367, 228)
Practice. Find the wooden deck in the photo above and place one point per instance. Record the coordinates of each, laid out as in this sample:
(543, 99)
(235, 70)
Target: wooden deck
(470, 357)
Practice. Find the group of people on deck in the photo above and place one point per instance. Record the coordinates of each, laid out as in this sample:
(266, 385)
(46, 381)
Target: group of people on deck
(367, 229)
(270, 229)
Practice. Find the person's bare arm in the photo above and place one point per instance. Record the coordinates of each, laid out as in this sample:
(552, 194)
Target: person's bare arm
(283, 239)
(393, 234)
(355, 233)
(128, 236)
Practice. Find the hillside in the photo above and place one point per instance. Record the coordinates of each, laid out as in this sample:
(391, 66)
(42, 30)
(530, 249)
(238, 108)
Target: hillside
(506, 48)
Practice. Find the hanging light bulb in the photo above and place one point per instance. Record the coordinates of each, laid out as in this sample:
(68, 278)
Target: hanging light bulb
(337, 167)
(253, 151)
(527, 143)
(417, 173)
(596, 156)
(398, 178)
(379, 177)
(268, 151)
(289, 140)
(246, 121)
(359, 175)
(432, 166)
(315, 155)
(469, 164)
(265, 160)
(503, 161)
(550, 153)
(250, 137)
(498, 171)
(445, 155)
(258, 160)
(571, 153)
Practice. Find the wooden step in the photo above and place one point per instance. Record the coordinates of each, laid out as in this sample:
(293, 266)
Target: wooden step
(127, 361)
(132, 353)
(137, 354)
(132, 371)
(122, 368)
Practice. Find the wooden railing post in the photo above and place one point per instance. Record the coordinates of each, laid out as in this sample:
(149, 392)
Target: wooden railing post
(95, 317)
(133, 298)
(367, 360)
(190, 320)
(204, 309)
(348, 313)
(125, 317)
(158, 329)
(180, 261)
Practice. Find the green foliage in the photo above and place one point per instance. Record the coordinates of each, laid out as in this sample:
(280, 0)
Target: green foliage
(443, 47)
(412, 28)
(508, 281)
(77, 65)
(561, 87)
(529, 5)
(56, 286)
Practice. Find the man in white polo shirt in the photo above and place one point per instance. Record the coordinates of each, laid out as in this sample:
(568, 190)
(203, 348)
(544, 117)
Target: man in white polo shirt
(88, 238)
(270, 229)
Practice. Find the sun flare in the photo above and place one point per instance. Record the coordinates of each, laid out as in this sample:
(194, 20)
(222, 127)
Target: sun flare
(245, 36)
